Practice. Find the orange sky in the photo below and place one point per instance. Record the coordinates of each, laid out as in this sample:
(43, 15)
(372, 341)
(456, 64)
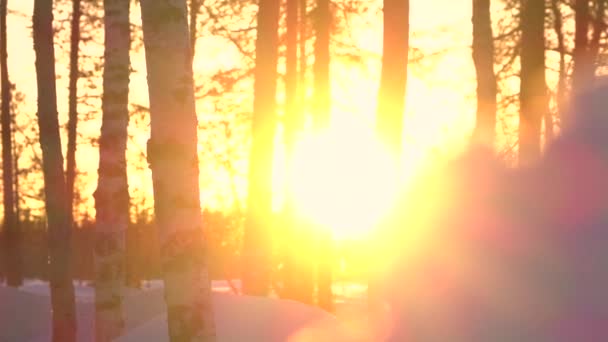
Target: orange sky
(439, 105)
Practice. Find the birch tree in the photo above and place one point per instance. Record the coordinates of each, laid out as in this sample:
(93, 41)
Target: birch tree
(112, 195)
(173, 158)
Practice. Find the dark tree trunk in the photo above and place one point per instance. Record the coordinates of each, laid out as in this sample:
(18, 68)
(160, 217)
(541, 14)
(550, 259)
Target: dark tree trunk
(256, 272)
(14, 276)
(483, 58)
(73, 106)
(56, 201)
(322, 87)
(291, 74)
(599, 26)
(195, 6)
(533, 92)
(561, 46)
(393, 77)
(392, 92)
(15, 170)
(581, 73)
(303, 65)
(112, 195)
(299, 270)
(7, 152)
(11, 240)
(321, 120)
(291, 126)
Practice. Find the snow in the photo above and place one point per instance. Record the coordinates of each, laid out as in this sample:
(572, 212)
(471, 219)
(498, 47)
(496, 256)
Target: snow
(27, 311)
(25, 315)
(245, 318)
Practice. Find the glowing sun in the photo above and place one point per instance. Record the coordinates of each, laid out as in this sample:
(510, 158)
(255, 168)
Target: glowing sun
(343, 180)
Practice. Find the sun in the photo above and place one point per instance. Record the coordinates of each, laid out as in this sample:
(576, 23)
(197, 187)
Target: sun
(343, 179)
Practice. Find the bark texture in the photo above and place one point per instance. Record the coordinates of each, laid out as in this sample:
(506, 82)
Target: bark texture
(173, 158)
(56, 202)
(112, 194)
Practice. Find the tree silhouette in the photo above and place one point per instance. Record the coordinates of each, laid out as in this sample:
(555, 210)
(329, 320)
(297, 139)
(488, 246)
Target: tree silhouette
(393, 77)
(56, 202)
(70, 172)
(533, 92)
(7, 152)
(322, 88)
(483, 58)
(256, 244)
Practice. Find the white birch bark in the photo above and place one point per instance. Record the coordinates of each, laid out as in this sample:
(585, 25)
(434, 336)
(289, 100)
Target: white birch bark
(112, 195)
(172, 154)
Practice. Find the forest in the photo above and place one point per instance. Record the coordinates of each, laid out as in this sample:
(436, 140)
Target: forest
(303, 170)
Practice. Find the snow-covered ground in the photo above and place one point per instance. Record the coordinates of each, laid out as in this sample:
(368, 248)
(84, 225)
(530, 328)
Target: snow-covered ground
(25, 315)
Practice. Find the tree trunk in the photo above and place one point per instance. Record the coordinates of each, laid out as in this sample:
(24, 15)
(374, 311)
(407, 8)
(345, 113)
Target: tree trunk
(173, 158)
(14, 276)
(291, 72)
(561, 46)
(257, 245)
(322, 89)
(291, 126)
(112, 195)
(533, 92)
(392, 92)
(581, 71)
(393, 77)
(11, 239)
(56, 202)
(73, 106)
(195, 6)
(299, 269)
(15, 170)
(303, 65)
(483, 58)
(321, 120)
(7, 152)
(599, 26)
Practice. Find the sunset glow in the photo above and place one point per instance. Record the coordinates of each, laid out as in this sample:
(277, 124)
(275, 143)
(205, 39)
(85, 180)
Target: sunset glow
(344, 180)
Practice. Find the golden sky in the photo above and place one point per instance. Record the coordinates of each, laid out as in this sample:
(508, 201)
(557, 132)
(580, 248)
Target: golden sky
(440, 106)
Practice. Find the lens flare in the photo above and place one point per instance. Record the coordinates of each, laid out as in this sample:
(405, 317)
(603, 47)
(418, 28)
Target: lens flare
(344, 180)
